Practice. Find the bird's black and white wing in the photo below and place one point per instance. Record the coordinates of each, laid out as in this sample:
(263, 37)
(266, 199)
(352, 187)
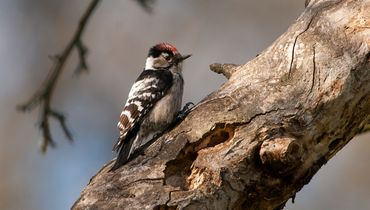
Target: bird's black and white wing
(149, 88)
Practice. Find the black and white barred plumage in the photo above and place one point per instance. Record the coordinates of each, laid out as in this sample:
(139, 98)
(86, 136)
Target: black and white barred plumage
(153, 102)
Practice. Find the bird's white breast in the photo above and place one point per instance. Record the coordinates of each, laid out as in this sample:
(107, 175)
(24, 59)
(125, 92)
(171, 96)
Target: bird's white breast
(166, 109)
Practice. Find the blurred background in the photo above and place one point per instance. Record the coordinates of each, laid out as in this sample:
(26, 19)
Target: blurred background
(118, 37)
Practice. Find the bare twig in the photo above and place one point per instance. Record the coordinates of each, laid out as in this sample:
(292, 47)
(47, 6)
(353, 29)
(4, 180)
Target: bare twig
(82, 51)
(44, 94)
(61, 118)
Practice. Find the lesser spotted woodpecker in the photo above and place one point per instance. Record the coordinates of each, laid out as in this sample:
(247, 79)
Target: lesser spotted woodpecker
(153, 101)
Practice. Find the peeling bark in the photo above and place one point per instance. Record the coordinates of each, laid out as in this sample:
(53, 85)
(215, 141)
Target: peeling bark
(258, 139)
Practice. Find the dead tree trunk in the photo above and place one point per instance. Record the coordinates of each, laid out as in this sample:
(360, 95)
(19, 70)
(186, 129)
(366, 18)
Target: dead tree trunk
(258, 139)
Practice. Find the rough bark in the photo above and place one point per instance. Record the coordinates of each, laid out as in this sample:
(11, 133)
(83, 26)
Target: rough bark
(259, 138)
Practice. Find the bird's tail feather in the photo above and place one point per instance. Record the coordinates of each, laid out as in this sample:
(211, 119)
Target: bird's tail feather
(126, 150)
(123, 155)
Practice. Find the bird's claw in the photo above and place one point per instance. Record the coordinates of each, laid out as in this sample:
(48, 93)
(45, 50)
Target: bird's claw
(185, 111)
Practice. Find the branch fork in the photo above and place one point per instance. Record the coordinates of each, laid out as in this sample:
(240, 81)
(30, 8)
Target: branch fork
(43, 96)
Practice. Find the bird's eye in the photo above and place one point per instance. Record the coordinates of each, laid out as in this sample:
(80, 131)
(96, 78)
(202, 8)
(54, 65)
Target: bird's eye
(166, 56)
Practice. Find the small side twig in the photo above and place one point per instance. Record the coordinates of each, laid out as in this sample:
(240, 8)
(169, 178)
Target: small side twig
(61, 118)
(82, 52)
(43, 95)
(226, 69)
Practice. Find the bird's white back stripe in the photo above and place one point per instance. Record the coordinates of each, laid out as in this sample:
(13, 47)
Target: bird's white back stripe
(140, 85)
(139, 105)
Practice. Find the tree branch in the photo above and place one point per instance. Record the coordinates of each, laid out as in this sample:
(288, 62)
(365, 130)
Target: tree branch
(44, 94)
(258, 139)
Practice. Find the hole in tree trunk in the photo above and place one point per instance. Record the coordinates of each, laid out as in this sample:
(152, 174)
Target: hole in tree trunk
(178, 170)
(334, 144)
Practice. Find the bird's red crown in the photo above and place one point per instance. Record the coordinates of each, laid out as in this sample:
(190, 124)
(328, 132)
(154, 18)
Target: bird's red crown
(157, 49)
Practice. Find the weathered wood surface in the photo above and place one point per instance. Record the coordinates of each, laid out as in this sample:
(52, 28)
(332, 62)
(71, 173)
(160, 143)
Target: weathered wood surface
(259, 138)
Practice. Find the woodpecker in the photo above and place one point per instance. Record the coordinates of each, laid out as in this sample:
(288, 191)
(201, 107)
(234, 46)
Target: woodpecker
(153, 102)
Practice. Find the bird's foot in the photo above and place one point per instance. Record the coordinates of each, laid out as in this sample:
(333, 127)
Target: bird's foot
(185, 111)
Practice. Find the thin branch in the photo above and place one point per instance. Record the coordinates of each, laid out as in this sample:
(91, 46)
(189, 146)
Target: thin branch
(43, 95)
(61, 118)
(82, 52)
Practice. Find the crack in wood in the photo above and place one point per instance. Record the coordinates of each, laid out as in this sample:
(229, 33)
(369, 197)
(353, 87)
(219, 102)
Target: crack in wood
(170, 196)
(142, 180)
(295, 42)
(314, 68)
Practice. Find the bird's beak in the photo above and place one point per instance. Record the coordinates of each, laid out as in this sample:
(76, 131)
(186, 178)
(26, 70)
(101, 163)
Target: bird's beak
(184, 57)
(179, 58)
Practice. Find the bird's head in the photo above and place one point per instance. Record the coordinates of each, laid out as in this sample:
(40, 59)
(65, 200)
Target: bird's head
(163, 56)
